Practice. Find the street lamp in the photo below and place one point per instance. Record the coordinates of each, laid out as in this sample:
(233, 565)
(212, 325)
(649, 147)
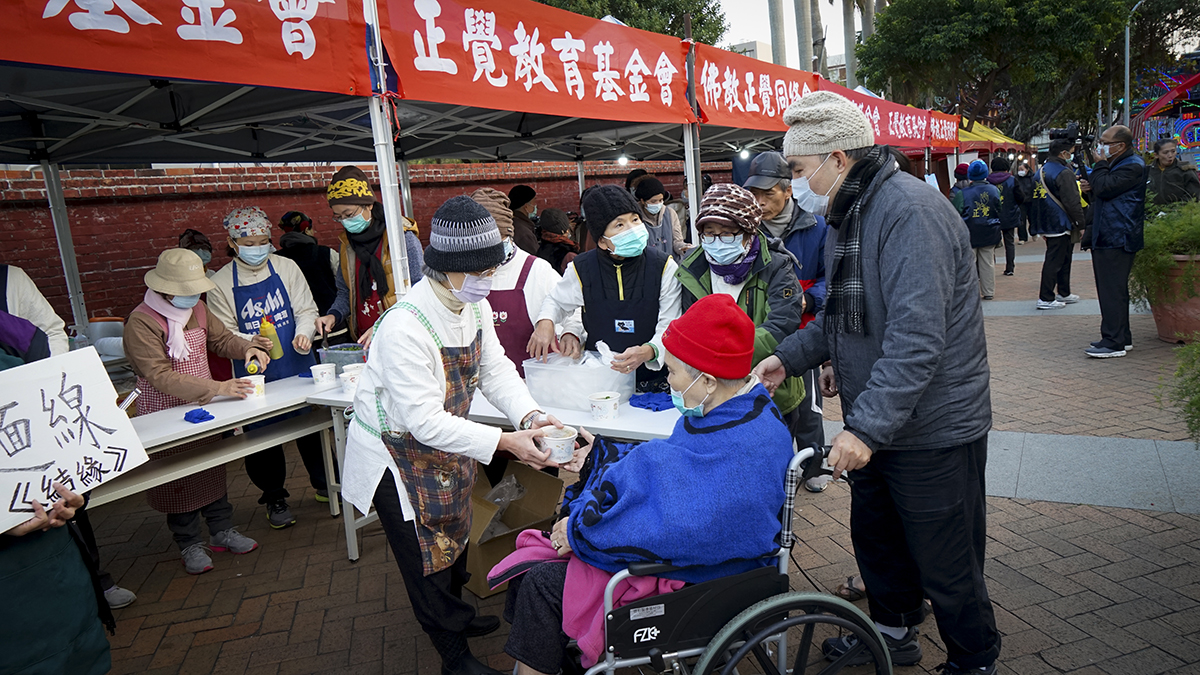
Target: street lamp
(1127, 99)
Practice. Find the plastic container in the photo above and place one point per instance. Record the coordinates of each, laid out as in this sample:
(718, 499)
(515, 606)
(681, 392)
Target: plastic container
(349, 382)
(341, 355)
(267, 329)
(560, 443)
(324, 375)
(260, 385)
(605, 405)
(100, 327)
(565, 383)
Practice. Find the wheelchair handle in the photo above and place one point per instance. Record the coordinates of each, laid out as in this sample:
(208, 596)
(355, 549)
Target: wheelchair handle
(817, 463)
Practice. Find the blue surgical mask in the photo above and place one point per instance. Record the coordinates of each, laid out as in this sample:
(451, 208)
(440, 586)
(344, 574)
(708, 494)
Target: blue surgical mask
(185, 301)
(808, 200)
(653, 209)
(473, 289)
(677, 399)
(630, 243)
(205, 256)
(723, 253)
(509, 248)
(533, 213)
(255, 255)
(356, 223)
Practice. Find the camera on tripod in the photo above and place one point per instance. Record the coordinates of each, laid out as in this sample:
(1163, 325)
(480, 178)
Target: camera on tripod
(1083, 144)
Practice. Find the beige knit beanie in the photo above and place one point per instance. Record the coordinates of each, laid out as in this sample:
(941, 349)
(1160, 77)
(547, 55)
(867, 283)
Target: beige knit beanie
(822, 122)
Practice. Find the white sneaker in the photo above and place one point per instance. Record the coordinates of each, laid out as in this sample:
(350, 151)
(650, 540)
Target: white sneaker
(1068, 300)
(1054, 304)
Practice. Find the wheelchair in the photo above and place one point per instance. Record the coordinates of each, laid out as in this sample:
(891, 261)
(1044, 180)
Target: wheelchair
(745, 624)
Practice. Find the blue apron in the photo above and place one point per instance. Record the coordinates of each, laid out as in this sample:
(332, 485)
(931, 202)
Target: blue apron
(269, 296)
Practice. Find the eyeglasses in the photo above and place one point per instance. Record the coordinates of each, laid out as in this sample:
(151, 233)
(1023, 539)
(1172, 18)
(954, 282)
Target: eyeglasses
(725, 238)
(339, 219)
(486, 274)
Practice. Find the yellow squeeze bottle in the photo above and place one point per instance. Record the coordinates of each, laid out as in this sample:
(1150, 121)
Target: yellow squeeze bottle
(252, 368)
(267, 329)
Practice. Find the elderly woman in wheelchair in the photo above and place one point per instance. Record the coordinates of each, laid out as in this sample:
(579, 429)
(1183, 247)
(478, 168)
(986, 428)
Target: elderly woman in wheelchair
(700, 511)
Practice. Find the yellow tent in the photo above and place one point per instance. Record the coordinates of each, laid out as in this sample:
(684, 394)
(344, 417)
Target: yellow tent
(985, 138)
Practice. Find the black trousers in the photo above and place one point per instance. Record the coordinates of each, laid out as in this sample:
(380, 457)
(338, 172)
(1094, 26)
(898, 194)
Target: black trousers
(1010, 250)
(88, 536)
(1023, 227)
(919, 525)
(534, 608)
(436, 599)
(1111, 267)
(1056, 269)
(267, 469)
(806, 422)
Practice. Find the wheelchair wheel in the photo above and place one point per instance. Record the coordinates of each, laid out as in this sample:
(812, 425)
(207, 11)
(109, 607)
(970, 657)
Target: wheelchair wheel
(783, 636)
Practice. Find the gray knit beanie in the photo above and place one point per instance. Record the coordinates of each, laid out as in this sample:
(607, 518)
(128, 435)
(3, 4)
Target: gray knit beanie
(822, 122)
(602, 204)
(463, 238)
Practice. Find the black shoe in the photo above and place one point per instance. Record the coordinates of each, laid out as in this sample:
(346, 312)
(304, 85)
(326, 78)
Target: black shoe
(482, 625)
(905, 652)
(951, 669)
(1007, 273)
(469, 665)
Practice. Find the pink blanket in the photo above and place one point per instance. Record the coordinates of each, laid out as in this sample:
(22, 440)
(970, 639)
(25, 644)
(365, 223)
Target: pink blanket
(583, 594)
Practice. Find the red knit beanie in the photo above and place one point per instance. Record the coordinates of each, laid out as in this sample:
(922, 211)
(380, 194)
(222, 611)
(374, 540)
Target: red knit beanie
(714, 336)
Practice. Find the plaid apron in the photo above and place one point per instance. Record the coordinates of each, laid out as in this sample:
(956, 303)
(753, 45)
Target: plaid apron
(440, 483)
(189, 493)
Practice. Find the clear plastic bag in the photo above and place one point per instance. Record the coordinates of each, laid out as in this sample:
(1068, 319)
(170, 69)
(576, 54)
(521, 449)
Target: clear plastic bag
(505, 493)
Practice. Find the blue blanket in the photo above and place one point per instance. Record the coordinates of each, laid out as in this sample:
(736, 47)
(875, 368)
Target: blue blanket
(707, 498)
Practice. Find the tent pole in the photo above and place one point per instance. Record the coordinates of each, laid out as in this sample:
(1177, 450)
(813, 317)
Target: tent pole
(406, 197)
(385, 157)
(66, 245)
(579, 174)
(691, 136)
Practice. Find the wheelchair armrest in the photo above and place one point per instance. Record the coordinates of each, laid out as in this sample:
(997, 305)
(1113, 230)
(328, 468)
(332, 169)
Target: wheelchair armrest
(651, 569)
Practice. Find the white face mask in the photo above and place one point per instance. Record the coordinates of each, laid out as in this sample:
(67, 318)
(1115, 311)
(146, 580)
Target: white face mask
(653, 209)
(806, 199)
(1022, 172)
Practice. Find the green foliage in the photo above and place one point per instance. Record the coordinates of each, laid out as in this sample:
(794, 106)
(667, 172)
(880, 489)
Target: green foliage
(658, 16)
(1170, 231)
(1184, 389)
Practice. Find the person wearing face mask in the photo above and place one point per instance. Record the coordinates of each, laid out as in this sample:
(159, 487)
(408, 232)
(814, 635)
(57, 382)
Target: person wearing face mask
(628, 292)
(1056, 213)
(663, 226)
(1118, 188)
(707, 498)
(320, 264)
(411, 451)
(903, 327)
(365, 287)
(558, 247)
(165, 340)
(1024, 196)
(523, 202)
(979, 206)
(256, 286)
(197, 242)
(1170, 179)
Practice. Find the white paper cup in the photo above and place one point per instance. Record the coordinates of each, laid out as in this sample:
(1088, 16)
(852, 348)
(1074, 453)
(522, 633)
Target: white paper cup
(349, 382)
(560, 443)
(355, 368)
(324, 375)
(260, 385)
(605, 405)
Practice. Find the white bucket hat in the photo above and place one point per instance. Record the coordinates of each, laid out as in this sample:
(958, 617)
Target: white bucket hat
(178, 272)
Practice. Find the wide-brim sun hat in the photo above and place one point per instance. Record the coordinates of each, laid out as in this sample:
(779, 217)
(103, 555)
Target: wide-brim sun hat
(178, 272)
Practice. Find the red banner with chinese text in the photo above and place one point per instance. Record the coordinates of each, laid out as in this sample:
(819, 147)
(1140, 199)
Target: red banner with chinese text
(893, 124)
(737, 91)
(523, 56)
(943, 130)
(311, 45)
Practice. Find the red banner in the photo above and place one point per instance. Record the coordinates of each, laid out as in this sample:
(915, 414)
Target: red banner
(894, 124)
(737, 91)
(313, 45)
(523, 56)
(943, 130)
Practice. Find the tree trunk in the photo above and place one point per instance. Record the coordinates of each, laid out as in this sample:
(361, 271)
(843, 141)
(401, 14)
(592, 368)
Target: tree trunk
(804, 34)
(778, 43)
(983, 95)
(868, 19)
(818, 34)
(848, 42)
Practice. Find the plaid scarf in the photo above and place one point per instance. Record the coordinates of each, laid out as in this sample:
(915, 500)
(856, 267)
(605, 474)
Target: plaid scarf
(846, 299)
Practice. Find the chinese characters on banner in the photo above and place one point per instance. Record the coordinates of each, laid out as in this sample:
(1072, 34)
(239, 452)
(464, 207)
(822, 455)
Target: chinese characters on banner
(737, 91)
(943, 130)
(60, 423)
(315, 45)
(897, 125)
(522, 56)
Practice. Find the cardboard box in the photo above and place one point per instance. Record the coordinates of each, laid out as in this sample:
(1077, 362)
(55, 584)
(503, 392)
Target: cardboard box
(534, 511)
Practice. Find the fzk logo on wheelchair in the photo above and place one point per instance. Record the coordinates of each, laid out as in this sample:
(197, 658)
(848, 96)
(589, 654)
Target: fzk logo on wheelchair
(645, 634)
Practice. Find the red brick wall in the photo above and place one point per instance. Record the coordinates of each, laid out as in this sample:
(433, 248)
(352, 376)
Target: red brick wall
(122, 219)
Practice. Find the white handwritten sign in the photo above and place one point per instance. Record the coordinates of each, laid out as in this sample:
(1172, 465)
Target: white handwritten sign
(59, 422)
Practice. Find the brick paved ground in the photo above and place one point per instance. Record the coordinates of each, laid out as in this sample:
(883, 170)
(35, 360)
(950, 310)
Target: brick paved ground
(1078, 589)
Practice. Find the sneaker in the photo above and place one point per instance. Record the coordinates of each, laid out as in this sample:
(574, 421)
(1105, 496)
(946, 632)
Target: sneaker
(1067, 300)
(323, 496)
(196, 559)
(233, 541)
(279, 515)
(951, 669)
(118, 597)
(989, 297)
(1097, 343)
(1054, 304)
(1104, 353)
(818, 483)
(1008, 274)
(905, 651)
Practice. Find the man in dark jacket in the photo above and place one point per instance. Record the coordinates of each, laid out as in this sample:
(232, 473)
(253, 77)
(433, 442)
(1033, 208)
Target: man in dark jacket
(1010, 215)
(1024, 194)
(1119, 190)
(803, 235)
(903, 325)
(1056, 213)
(1169, 179)
(523, 201)
(960, 180)
(318, 263)
(979, 206)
